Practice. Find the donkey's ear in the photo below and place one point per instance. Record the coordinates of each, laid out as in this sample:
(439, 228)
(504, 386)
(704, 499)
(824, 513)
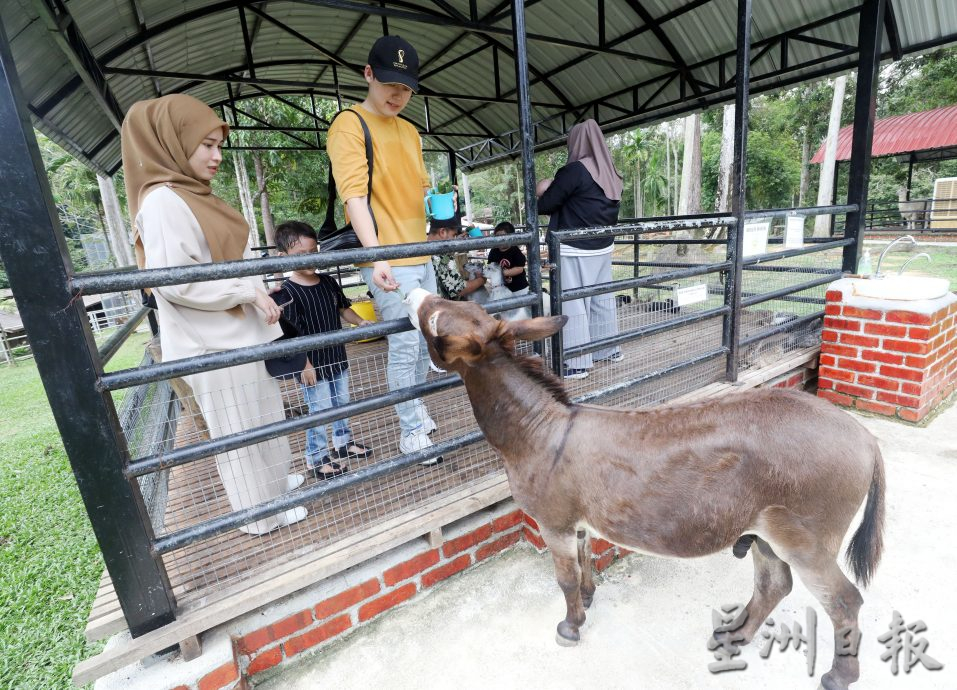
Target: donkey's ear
(536, 329)
(453, 347)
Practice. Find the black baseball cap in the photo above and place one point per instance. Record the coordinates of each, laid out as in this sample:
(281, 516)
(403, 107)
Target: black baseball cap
(394, 61)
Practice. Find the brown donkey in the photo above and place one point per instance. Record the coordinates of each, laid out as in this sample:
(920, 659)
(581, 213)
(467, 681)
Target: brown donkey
(782, 469)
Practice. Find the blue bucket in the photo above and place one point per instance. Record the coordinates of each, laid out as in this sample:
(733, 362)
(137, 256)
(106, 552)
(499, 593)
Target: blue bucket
(440, 206)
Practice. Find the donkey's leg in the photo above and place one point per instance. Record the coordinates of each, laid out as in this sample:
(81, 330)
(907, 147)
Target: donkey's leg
(584, 562)
(842, 601)
(567, 571)
(772, 582)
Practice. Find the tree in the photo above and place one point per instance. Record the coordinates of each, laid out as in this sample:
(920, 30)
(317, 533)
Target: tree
(822, 224)
(722, 200)
(689, 201)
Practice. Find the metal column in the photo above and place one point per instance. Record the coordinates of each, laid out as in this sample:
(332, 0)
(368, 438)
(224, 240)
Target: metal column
(869, 41)
(527, 131)
(38, 264)
(732, 284)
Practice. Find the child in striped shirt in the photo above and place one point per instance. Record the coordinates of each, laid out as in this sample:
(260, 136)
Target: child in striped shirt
(315, 305)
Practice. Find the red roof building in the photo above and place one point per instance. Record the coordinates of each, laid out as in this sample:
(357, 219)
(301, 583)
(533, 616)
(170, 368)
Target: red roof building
(930, 135)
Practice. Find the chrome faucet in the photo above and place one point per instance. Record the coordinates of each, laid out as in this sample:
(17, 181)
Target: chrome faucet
(922, 255)
(877, 273)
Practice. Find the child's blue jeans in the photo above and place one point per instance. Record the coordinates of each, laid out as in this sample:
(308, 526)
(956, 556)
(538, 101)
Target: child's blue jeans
(323, 396)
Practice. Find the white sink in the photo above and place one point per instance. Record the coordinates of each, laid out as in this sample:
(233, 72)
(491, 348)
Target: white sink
(904, 288)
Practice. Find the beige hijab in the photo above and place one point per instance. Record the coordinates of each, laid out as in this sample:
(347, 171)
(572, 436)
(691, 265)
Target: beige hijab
(586, 144)
(158, 137)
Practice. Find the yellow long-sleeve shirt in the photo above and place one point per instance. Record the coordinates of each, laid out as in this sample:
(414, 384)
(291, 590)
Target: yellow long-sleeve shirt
(398, 177)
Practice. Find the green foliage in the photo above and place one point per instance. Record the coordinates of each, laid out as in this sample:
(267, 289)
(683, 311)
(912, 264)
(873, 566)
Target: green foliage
(50, 563)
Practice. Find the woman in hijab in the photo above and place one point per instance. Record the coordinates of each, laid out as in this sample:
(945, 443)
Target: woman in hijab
(586, 192)
(171, 150)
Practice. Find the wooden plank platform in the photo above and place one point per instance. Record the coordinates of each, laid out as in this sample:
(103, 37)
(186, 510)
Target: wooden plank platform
(221, 578)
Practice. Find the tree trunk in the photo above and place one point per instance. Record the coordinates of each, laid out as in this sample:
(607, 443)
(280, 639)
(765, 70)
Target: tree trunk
(722, 201)
(805, 166)
(667, 173)
(467, 196)
(246, 197)
(117, 235)
(263, 194)
(822, 224)
(690, 199)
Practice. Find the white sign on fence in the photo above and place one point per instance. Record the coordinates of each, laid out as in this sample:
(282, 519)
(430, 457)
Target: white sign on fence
(794, 232)
(755, 238)
(690, 295)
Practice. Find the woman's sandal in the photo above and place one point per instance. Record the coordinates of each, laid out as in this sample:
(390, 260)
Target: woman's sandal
(337, 471)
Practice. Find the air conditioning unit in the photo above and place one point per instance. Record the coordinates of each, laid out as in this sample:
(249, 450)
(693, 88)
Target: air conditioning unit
(943, 211)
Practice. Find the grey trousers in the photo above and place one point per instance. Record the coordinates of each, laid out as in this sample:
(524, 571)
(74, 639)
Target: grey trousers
(591, 318)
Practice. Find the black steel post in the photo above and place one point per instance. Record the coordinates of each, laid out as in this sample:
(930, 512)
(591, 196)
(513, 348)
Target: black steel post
(37, 261)
(837, 174)
(555, 297)
(732, 284)
(526, 127)
(910, 174)
(865, 108)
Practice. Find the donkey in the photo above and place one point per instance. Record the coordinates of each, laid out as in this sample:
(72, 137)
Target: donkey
(776, 472)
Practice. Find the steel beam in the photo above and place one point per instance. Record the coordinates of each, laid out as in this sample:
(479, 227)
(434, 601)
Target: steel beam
(732, 283)
(865, 109)
(34, 252)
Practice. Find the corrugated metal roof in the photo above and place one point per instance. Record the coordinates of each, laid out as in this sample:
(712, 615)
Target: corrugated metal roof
(926, 131)
(663, 56)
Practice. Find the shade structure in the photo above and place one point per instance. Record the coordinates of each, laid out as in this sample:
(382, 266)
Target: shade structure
(928, 135)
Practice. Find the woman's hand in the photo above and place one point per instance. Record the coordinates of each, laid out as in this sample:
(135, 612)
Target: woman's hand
(309, 374)
(267, 306)
(382, 276)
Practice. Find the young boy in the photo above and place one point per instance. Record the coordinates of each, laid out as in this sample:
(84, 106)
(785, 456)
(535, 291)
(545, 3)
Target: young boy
(399, 183)
(451, 283)
(314, 302)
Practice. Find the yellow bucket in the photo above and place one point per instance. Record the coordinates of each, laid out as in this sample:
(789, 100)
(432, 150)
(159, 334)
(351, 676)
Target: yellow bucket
(366, 310)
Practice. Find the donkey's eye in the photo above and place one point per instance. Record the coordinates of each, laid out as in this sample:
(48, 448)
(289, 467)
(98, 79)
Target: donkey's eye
(433, 323)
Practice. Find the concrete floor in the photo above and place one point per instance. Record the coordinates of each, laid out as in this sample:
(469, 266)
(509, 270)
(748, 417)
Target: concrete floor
(494, 627)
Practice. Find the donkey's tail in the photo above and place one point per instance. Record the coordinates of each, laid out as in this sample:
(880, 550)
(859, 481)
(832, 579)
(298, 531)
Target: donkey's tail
(864, 552)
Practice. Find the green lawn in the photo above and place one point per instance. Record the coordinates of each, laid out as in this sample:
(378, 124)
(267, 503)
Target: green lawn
(50, 563)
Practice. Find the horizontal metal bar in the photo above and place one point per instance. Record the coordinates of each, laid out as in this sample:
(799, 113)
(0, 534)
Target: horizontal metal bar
(630, 283)
(628, 243)
(624, 385)
(640, 226)
(224, 523)
(780, 328)
(804, 211)
(254, 353)
(810, 249)
(204, 449)
(117, 281)
(757, 299)
(115, 342)
(644, 331)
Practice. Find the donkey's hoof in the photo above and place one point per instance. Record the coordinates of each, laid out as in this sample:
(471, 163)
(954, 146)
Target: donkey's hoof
(567, 635)
(830, 681)
(587, 599)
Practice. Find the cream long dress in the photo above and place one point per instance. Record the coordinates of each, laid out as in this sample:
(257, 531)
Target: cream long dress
(194, 321)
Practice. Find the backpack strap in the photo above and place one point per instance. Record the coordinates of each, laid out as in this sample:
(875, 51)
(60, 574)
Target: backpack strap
(330, 221)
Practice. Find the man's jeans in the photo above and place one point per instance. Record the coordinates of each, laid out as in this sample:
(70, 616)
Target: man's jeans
(323, 396)
(408, 353)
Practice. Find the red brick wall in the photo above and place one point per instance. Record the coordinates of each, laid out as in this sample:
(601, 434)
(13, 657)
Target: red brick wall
(896, 363)
(280, 641)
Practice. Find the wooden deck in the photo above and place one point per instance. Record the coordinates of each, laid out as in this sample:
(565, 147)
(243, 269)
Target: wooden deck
(223, 577)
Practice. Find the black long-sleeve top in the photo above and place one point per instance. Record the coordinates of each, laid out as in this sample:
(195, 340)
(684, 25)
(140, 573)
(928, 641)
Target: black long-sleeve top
(574, 200)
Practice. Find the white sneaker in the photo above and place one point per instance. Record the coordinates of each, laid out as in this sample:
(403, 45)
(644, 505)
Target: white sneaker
(293, 515)
(294, 481)
(418, 440)
(428, 424)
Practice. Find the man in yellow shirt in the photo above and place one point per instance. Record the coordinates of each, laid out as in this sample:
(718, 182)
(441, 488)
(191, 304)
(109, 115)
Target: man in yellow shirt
(399, 183)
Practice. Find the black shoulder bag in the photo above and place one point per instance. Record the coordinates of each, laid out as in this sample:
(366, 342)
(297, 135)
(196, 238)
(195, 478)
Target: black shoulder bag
(329, 236)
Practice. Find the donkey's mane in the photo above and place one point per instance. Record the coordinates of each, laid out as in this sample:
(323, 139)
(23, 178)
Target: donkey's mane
(534, 367)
